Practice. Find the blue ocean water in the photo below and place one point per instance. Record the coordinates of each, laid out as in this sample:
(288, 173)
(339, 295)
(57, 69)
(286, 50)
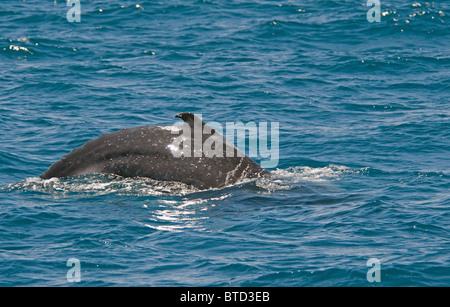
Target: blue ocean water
(364, 167)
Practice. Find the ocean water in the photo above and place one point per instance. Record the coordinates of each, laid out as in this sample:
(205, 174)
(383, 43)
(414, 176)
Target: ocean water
(364, 142)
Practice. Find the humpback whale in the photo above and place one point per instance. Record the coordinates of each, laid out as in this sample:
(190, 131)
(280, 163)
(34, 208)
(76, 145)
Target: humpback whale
(194, 154)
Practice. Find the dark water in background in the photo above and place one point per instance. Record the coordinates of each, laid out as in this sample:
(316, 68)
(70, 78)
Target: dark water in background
(363, 110)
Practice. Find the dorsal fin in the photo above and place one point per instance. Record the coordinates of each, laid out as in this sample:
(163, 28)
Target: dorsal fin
(189, 118)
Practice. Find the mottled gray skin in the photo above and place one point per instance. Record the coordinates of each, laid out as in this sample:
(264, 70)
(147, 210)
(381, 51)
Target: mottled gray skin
(145, 152)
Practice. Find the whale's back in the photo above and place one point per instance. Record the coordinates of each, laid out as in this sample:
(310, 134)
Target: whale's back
(148, 152)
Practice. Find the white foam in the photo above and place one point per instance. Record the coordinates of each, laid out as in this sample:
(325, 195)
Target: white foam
(330, 172)
(18, 48)
(97, 185)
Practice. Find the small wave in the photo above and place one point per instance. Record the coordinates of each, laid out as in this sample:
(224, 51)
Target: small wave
(296, 176)
(97, 185)
(330, 172)
(19, 48)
